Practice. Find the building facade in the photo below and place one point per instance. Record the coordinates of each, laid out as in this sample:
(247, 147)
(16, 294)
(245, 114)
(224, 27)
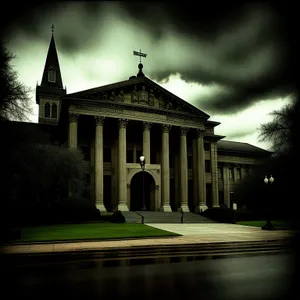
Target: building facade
(187, 166)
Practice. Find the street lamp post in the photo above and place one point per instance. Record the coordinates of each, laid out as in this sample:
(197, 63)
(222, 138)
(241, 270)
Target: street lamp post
(268, 225)
(142, 163)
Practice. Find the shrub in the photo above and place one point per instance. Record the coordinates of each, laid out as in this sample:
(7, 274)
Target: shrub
(117, 217)
(225, 215)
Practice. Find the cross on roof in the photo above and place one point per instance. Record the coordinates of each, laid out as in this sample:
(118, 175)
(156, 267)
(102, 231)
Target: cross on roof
(140, 54)
(52, 28)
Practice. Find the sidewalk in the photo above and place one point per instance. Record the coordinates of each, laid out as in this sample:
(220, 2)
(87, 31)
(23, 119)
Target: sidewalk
(191, 234)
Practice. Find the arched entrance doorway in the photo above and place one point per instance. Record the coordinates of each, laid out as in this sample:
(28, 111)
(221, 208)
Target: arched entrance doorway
(136, 191)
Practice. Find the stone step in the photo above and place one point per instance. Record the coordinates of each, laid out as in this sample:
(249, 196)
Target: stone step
(163, 217)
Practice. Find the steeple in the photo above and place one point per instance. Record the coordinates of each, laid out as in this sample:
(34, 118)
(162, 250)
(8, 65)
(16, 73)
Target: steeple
(52, 75)
(49, 93)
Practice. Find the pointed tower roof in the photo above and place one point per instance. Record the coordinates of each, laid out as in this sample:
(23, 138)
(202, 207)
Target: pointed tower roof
(52, 63)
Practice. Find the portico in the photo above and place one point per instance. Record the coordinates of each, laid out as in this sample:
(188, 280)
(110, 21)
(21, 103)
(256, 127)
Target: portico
(153, 140)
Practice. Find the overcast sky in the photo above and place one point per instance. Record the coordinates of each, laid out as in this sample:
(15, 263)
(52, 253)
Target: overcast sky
(233, 65)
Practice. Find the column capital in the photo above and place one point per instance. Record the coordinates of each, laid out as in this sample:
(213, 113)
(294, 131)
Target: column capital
(157, 187)
(199, 133)
(147, 125)
(123, 123)
(184, 130)
(128, 185)
(99, 120)
(166, 128)
(73, 117)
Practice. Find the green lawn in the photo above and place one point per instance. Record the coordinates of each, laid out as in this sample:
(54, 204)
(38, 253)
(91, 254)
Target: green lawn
(64, 232)
(278, 224)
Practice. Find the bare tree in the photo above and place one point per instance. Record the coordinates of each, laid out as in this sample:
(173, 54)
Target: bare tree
(279, 130)
(14, 96)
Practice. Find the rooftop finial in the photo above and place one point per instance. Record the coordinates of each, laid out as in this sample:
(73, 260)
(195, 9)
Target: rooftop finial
(52, 29)
(140, 66)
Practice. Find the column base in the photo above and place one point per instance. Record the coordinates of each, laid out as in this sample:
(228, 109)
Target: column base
(102, 208)
(201, 208)
(123, 207)
(184, 208)
(166, 208)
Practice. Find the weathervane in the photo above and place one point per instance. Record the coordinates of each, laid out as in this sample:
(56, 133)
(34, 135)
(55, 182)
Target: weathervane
(140, 54)
(52, 29)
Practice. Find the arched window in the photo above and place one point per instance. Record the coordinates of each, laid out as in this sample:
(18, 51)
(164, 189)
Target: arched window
(47, 110)
(51, 75)
(54, 111)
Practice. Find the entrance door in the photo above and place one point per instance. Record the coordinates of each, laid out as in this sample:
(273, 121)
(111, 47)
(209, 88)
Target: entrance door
(138, 194)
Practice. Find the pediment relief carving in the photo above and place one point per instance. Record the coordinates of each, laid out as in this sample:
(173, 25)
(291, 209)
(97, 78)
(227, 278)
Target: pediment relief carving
(141, 94)
(116, 96)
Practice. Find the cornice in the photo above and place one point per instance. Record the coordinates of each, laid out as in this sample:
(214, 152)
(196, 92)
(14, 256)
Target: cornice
(81, 103)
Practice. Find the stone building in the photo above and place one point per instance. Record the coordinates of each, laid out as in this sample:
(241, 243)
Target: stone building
(187, 166)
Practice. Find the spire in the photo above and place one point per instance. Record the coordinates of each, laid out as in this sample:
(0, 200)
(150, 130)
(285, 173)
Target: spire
(52, 75)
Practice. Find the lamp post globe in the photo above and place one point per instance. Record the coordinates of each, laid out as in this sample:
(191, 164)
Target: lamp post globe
(268, 225)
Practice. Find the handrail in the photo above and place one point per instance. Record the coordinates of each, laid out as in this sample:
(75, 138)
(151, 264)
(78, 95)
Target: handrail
(140, 216)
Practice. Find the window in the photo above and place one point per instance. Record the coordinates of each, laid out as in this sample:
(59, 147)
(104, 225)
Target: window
(207, 166)
(238, 173)
(231, 174)
(54, 111)
(47, 110)
(206, 146)
(220, 172)
(51, 75)
(106, 154)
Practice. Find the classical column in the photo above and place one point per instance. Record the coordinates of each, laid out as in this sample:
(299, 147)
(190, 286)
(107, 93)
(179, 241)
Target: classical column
(122, 186)
(92, 176)
(146, 141)
(194, 172)
(201, 199)
(214, 174)
(72, 139)
(99, 164)
(73, 121)
(176, 182)
(165, 170)
(183, 170)
(226, 185)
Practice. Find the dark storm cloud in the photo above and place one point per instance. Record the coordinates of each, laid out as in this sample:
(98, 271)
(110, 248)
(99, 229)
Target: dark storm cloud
(234, 100)
(243, 49)
(247, 51)
(75, 21)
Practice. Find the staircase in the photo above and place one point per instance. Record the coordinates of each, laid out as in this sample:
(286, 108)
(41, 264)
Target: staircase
(163, 217)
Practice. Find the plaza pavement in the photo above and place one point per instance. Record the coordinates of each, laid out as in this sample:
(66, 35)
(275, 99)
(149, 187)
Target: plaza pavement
(191, 234)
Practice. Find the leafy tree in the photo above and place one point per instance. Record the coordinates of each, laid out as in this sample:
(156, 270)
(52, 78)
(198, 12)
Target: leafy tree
(45, 171)
(279, 130)
(15, 101)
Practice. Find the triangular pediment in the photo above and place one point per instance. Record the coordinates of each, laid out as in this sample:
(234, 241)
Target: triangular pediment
(139, 91)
